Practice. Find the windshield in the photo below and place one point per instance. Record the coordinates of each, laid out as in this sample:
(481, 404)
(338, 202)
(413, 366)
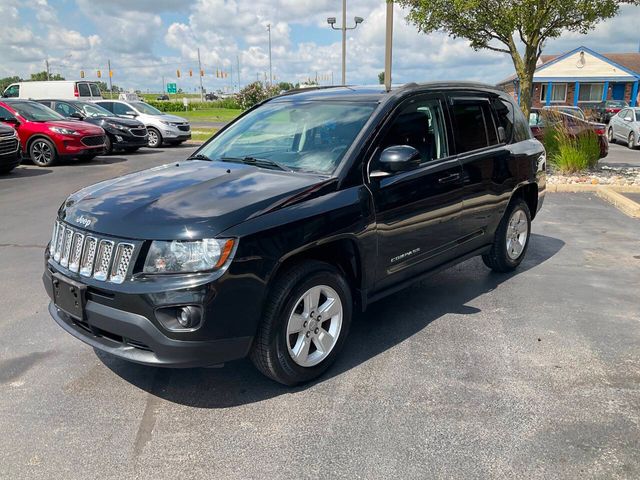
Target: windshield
(145, 108)
(311, 136)
(92, 110)
(637, 116)
(35, 112)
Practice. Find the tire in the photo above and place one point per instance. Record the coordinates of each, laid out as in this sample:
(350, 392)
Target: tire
(274, 351)
(108, 145)
(87, 158)
(155, 138)
(510, 246)
(610, 135)
(42, 152)
(6, 170)
(131, 149)
(631, 141)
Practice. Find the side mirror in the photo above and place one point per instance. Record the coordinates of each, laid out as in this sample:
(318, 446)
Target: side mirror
(628, 119)
(77, 116)
(131, 112)
(399, 158)
(502, 135)
(11, 120)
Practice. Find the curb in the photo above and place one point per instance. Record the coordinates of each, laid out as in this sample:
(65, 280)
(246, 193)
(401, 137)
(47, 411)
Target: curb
(610, 193)
(622, 203)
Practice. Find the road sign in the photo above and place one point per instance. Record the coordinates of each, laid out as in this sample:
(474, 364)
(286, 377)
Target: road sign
(171, 88)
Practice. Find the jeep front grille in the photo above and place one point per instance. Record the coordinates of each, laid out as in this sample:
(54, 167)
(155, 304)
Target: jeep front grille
(100, 258)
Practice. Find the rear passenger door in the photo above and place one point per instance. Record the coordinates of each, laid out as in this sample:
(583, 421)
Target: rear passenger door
(487, 174)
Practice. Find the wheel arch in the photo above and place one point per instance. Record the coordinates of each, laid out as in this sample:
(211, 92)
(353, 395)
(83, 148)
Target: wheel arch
(40, 136)
(529, 193)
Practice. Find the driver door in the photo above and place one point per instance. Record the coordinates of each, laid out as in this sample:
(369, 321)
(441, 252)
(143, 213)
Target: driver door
(417, 211)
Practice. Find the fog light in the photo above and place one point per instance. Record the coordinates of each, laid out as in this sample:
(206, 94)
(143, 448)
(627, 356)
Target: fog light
(118, 138)
(188, 317)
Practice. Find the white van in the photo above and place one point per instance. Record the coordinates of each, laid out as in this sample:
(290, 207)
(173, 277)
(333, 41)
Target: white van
(58, 89)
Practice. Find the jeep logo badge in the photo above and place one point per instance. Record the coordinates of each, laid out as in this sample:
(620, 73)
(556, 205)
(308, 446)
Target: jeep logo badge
(84, 221)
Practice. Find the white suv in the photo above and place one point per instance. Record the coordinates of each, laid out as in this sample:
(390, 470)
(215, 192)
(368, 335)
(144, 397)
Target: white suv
(162, 127)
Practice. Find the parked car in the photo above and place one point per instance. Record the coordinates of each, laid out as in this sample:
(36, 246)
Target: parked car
(569, 110)
(625, 127)
(162, 97)
(162, 127)
(603, 111)
(10, 154)
(539, 123)
(307, 207)
(63, 89)
(122, 133)
(210, 96)
(47, 136)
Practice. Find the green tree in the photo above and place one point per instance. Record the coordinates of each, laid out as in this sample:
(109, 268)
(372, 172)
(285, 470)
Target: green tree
(255, 93)
(42, 76)
(6, 81)
(381, 78)
(284, 86)
(503, 25)
(104, 87)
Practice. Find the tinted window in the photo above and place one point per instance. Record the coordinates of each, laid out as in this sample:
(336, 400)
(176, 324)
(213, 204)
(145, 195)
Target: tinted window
(95, 91)
(121, 109)
(107, 105)
(504, 111)
(83, 90)
(5, 114)
(35, 112)
(64, 109)
(12, 91)
(474, 125)
(419, 124)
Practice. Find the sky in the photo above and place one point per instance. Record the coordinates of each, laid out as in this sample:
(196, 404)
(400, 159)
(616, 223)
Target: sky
(148, 40)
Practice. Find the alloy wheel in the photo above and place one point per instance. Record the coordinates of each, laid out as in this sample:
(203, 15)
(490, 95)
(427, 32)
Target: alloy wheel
(610, 135)
(631, 141)
(153, 138)
(314, 325)
(41, 153)
(517, 234)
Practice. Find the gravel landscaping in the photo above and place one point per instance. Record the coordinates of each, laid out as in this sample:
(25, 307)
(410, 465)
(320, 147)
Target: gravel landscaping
(602, 175)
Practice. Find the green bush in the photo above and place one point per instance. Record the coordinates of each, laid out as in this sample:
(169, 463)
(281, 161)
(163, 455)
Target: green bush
(255, 93)
(175, 106)
(568, 152)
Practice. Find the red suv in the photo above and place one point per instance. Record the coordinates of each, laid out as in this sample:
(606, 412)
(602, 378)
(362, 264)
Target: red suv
(47, 136)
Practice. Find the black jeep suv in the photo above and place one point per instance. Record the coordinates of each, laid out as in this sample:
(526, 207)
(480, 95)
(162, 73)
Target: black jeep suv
(306, 207)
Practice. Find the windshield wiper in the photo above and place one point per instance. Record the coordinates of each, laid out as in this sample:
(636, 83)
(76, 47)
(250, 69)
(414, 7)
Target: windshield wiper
(199, 156)
(258, 162)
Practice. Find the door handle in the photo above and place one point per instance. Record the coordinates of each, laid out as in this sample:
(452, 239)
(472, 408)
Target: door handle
(449, 178)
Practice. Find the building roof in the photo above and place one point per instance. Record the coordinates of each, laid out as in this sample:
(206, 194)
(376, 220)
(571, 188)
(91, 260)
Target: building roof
(630, 61)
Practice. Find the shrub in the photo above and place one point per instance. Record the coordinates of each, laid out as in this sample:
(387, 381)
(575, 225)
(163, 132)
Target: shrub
(255, 93)
(175, 106)
(569, 152)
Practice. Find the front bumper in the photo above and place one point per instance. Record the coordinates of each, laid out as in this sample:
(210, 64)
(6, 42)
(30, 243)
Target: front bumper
(170, 132)
(121, 139)
(135, 337)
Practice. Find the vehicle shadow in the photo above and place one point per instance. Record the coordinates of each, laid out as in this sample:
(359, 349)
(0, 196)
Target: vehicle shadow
(21, 172)
(101, 160)
(391, 321)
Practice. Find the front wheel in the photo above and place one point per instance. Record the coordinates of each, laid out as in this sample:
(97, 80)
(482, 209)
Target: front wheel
(631, 141)
(131, 149)
(42, 152)
(155, 138)
(108, 145)
(511, 238)
(610, 135)
(306, 321)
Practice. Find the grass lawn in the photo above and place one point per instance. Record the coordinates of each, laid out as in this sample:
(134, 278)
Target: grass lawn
(210, 115)
(202, 134)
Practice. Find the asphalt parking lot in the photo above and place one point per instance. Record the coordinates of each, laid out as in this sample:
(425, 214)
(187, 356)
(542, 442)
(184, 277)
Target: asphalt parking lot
(468, 374)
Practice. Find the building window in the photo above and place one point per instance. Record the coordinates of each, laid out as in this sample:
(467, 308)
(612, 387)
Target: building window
(591, 92)
(558, 92)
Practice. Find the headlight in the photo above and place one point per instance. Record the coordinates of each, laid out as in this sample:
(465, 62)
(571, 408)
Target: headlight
(64, 131)
(165, 122)
(115, 125)
(189, 256)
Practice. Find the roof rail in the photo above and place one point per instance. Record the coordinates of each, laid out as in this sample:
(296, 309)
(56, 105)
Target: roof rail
(306, 89)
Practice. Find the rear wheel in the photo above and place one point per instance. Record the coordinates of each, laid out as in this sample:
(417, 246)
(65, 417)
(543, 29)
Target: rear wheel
(42, 152)
(155, 138)
(306, 321)
(511, 239)
(631, 141)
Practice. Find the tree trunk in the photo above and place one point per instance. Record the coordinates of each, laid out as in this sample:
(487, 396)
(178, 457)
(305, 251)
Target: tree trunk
(526, 90)
(525, 69)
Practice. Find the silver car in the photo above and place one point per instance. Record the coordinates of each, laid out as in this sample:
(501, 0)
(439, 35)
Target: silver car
(625, 127)
(162, 127)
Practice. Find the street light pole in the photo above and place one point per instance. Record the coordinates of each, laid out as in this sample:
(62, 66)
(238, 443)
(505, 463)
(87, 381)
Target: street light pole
(332, 21)
(270, 70)
(46, 62)
(200, 76)
(388, 46)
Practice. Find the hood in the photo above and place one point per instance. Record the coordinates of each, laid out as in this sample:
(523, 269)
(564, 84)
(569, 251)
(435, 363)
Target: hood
(84, 127)
(191, 199)
(172, 118)
(127, 122)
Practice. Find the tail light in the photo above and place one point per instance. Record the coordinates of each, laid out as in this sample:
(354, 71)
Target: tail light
(75, 90)
(599, 131)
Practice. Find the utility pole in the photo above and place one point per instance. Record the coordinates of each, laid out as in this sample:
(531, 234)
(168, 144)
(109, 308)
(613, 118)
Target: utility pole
(164, 89)
(270, 70)
(388, 44)
(332, 21)
(238, 62)
(200, 76)
(46, 62)
(110, 81)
